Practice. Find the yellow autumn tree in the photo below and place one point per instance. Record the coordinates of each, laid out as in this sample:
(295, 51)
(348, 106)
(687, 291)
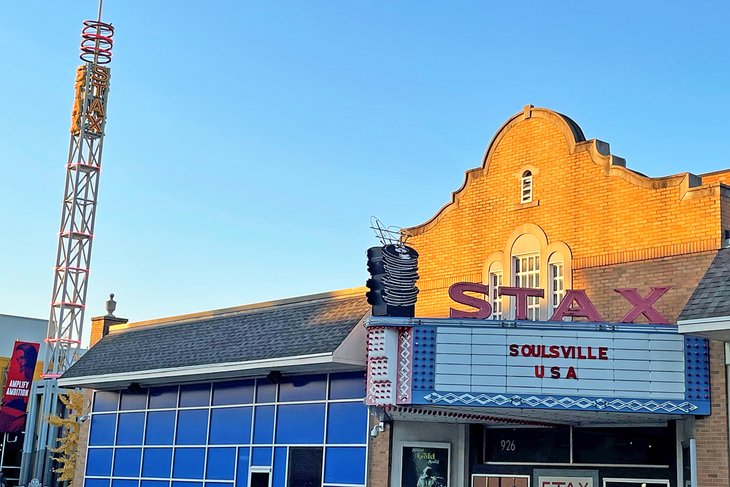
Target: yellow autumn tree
(68, 438)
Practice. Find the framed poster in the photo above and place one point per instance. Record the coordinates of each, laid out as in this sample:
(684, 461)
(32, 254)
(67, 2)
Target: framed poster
(425, 464)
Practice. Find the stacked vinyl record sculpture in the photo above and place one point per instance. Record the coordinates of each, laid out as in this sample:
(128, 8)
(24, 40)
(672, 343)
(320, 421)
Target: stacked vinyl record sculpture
(401, 273)
(393, 275)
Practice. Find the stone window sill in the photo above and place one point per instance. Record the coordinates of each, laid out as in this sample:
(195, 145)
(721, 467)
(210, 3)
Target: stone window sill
(524, 206)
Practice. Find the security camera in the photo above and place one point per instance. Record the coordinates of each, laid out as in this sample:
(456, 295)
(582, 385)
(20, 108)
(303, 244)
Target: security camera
(377, 429)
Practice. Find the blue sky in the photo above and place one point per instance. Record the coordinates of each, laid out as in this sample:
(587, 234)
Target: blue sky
(248, 143)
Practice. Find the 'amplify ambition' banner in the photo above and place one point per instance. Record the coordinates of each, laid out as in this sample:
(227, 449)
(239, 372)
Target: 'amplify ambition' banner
(17, 387)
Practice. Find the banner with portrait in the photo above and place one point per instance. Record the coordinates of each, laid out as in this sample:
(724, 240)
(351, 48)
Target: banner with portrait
(425, 465)
(17, 387)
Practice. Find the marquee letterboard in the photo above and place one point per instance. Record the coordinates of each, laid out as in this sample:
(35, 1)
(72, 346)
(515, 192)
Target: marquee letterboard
(576, 366)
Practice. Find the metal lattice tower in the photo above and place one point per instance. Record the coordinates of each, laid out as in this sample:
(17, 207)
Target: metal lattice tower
(78, 213)
(73, 258)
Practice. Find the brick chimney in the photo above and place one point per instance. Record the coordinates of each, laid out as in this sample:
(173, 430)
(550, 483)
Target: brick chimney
(100, 324)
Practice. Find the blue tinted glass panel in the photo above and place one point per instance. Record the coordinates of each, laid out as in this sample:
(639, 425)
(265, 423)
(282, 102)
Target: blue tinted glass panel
(179, 483)
(300, 424)
(127, 462)
(218, 484)
(278, 475)
(105, 401)
(347, 386)
(189, 463)
(347, 423)
(133, 400)
(99, 462)
(303, 388)
(230, 426)
(102, 429)
(265, 391)
(124, 483)
(192, 427)
(157, 462)
(237, 392)
(155, 483)
(221, 463)
(160, 427)
(263, 428)
(195, 395)
(261, 457)
(130, 429)
(163, 397)
(344, 465)
(242, 474)
(96, 483)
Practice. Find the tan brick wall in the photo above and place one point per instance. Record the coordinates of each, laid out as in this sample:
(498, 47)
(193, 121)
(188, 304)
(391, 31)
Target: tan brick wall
(717, 177)
(711, 432)
(682, 273)
(379, 457)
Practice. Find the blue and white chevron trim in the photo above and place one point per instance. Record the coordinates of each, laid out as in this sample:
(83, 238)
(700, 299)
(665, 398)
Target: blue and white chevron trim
(564, 402)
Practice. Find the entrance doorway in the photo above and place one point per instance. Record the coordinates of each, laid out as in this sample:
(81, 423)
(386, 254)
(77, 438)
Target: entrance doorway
(635, 483)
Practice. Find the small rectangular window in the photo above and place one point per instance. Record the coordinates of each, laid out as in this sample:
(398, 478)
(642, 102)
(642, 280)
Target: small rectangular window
(526, 181)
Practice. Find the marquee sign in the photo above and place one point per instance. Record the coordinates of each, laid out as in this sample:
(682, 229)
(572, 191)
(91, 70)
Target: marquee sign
(570, 366)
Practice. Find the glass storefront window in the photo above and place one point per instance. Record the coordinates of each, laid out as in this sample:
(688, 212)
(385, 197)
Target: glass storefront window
(303, 388)
(651, 446)
(533, 445)
(629, 446)
(219, 434)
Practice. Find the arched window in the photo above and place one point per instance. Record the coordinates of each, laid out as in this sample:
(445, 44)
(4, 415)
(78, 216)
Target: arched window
(529, 260)
(526, 182)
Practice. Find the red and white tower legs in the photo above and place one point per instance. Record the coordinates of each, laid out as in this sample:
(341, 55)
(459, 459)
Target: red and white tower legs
(73, 258)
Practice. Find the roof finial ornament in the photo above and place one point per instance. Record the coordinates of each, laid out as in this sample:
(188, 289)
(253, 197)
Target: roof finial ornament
(111, 305)
(527, 110)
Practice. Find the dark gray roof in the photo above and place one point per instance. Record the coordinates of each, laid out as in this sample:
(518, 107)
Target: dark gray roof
(316, 324)
(711, 297)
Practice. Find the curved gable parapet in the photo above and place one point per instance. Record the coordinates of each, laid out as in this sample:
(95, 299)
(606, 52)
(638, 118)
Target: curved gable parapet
(571, 131)
(613, 166)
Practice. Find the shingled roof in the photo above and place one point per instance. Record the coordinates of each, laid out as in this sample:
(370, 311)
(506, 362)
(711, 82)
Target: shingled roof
(711, 298)
(236, 337)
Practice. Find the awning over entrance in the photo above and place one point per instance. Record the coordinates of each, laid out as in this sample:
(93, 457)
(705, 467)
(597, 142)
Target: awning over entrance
(558, 372)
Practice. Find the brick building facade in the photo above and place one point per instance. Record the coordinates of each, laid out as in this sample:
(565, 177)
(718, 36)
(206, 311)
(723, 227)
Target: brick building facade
(573, 216)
